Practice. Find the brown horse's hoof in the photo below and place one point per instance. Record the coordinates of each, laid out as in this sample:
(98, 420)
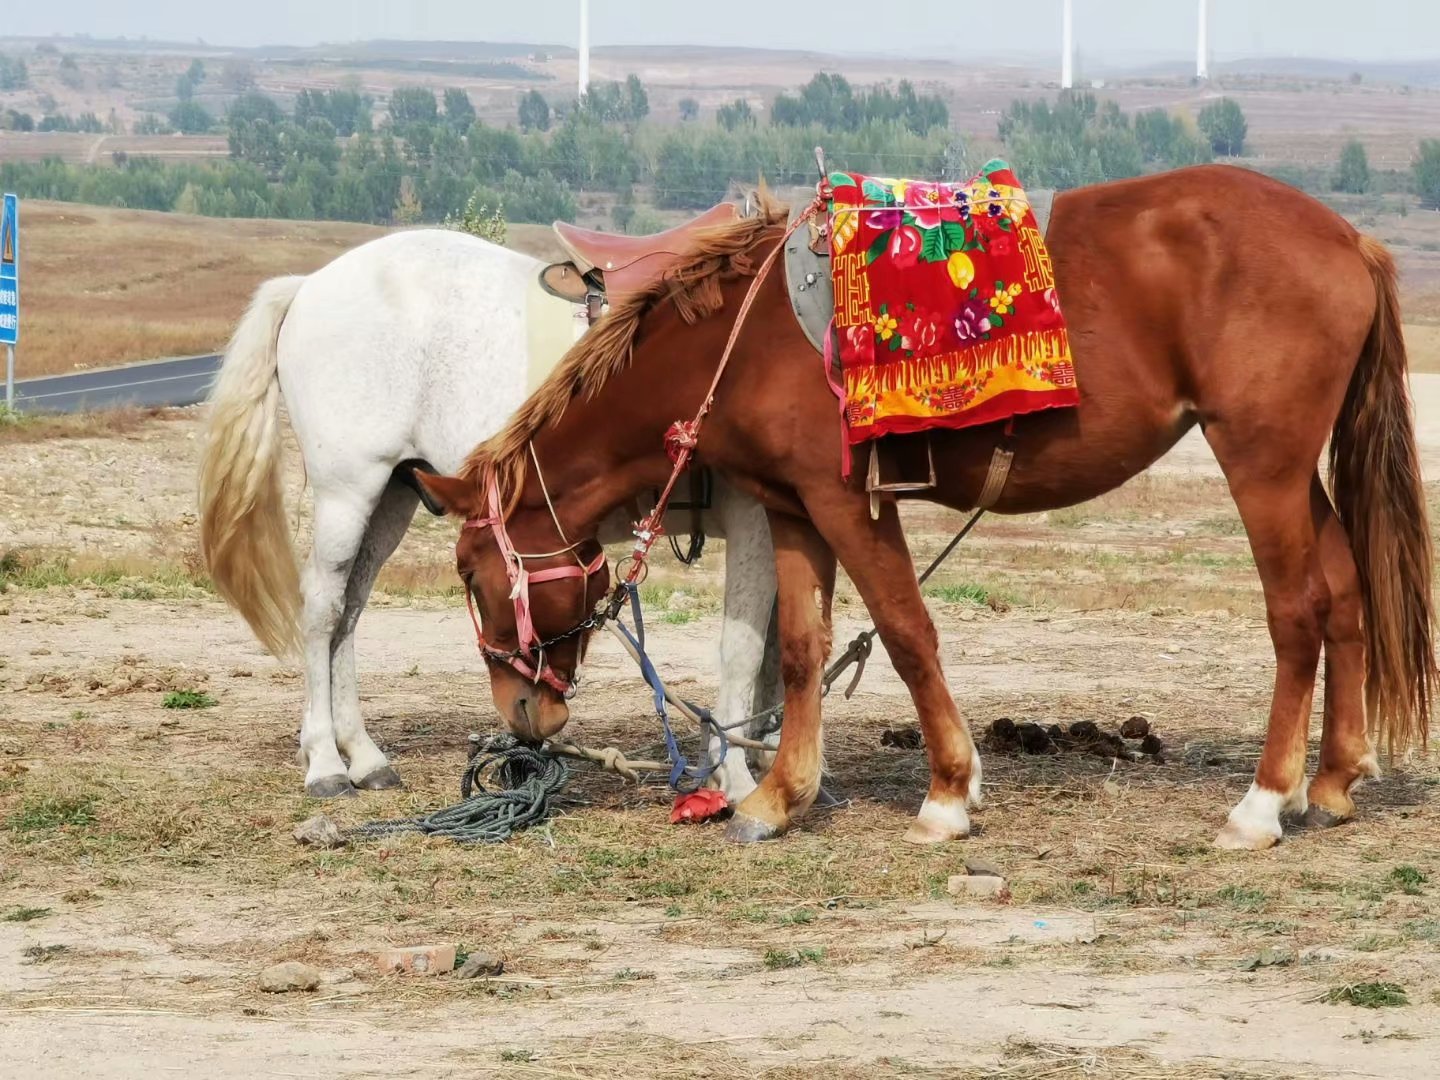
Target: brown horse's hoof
(381, 779)
(331, 787)
(1317, 817)
(748, 830)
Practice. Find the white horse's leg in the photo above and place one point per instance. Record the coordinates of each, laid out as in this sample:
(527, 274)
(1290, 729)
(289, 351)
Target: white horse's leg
(369, 768)
(342, 515)
(749, 601)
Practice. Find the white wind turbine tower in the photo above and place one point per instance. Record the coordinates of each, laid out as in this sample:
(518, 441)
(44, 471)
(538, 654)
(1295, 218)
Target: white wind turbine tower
(584, 81)
(1067, 56)
(1202, 47)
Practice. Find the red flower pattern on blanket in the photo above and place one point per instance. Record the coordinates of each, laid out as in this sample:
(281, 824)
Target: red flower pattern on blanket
(945, 304)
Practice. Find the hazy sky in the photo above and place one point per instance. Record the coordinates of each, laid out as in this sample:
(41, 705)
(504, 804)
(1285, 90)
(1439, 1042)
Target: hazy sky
(1116, 29)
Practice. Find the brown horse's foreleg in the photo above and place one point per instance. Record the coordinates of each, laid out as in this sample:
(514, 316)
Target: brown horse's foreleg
(1346, 753)
(805, 574)
(875, 555)
(1277, 515)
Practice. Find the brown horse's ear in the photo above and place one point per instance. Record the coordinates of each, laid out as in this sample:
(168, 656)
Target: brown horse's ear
(457, 497)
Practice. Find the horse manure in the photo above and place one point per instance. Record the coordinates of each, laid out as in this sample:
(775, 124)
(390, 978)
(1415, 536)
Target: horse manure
(1083, 737)
(906, 738)
(1035, 739)
(1137, 727)
(1003, 728)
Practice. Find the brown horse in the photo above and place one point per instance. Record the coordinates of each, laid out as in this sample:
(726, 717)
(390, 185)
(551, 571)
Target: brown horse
(1210, 296)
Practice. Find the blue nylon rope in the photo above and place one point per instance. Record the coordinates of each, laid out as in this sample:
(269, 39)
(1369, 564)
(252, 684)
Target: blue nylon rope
(684, 777)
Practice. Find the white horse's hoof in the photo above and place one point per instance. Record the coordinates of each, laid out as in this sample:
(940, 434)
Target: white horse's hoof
(381, 779)
(331, 787)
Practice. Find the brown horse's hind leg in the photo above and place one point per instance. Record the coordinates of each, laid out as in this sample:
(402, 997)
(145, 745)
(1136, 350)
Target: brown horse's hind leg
(805, 574)
(1346, 754)
(1275, 506)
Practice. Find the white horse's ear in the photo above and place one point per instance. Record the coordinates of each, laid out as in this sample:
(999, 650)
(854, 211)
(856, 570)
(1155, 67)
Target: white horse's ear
(457, 497)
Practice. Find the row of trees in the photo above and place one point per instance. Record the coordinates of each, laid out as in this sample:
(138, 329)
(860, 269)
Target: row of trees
(14, 75)
(1078, 140)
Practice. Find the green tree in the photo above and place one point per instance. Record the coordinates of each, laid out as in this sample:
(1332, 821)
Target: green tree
(1427, 173)
(534, 112)
(255, 106)
(196, 72)
(623, 212)
(735, 115)
(459, 112)
(413, 105)
(478, 219)
(1353, 173)
(14, 75)
(191, 118)
(70, 73)
(1155, 131)
(1223, 123)
(637, 101)
(689, 109)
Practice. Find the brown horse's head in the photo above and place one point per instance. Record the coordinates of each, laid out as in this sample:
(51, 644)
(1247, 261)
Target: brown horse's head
(532, 628)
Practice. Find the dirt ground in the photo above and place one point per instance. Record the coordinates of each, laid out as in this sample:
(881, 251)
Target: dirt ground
(147, 871)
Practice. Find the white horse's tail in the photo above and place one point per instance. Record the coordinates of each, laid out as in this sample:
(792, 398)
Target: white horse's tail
(244, 533)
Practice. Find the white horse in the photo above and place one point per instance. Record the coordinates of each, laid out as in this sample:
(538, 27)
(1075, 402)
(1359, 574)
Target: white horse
(409, 350)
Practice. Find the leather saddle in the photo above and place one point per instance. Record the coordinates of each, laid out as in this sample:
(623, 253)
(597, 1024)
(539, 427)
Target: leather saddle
(605, 267)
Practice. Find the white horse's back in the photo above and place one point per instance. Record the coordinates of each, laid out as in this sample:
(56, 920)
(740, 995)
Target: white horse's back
(420, 336)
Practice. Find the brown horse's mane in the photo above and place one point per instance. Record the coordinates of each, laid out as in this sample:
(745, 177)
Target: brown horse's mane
(718, 254)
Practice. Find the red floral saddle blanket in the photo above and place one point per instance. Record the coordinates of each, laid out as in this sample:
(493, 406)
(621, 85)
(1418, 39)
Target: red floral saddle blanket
(945, 304)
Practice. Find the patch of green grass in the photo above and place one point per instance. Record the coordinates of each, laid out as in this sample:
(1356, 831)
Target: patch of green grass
(780, 959)
(1242, 898)
(1367, 995)
(188, 699)
(679, 618)
(960, 593)
(517, 1055)
(1409, 878)
(798, 917)
(52, 812)
(26, 914)
(111, 580)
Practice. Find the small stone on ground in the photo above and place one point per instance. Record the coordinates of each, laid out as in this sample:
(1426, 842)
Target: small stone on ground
(319, 831)
(977, 886)
(477, 964)
(289, 976)
(417, 960)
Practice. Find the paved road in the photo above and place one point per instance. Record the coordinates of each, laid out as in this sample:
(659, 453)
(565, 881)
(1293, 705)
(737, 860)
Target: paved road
(156, 383)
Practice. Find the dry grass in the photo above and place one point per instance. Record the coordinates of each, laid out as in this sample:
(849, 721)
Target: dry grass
(107, 286)
(709, 1059)
(101, 423)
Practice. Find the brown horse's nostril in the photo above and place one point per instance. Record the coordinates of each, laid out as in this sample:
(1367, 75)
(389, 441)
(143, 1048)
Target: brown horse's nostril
(527, 733)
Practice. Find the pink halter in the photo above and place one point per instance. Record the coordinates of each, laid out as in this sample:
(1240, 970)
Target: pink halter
(529, 658)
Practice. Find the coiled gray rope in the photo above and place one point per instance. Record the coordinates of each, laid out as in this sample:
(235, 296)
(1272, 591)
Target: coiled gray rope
(529, 780)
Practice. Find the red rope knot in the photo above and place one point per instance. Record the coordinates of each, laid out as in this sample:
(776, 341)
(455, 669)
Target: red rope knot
(682, 437)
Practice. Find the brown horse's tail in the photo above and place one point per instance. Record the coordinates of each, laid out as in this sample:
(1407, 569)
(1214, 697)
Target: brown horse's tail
(1376, 486)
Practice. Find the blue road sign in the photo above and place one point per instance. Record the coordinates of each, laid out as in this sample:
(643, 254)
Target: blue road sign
(10, 271)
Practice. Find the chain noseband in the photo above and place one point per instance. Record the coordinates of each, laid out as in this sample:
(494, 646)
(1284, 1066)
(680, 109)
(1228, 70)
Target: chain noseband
(529, 658)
